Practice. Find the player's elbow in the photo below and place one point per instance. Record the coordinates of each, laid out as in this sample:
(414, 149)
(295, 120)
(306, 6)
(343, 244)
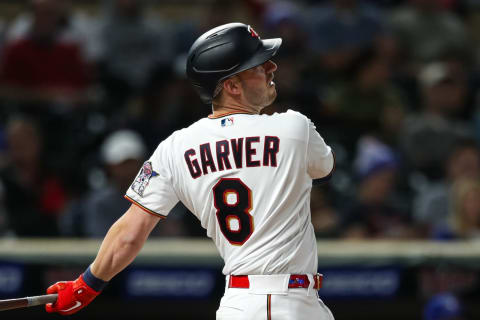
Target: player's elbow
(128, 237)
(125, 245)
(323, 170)
(329, 165)
(129, 241)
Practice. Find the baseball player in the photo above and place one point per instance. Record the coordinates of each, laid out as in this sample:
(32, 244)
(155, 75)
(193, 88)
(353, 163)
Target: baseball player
(247, 177)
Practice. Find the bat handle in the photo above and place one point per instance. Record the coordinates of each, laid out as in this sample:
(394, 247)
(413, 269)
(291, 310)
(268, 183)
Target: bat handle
(39, 300)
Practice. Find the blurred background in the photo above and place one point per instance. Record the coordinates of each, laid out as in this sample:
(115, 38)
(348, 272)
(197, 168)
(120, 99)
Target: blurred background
(88, 89)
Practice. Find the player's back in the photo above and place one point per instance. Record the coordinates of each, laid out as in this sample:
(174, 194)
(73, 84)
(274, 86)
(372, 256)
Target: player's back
(246, 179)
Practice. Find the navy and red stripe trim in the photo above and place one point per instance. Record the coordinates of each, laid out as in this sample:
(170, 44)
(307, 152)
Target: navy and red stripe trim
(161, 216)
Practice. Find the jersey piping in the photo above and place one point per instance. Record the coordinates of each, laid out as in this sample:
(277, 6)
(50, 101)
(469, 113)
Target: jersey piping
(161, 216)
(212, 117)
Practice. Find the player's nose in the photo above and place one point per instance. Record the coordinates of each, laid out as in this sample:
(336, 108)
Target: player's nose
(270, 66)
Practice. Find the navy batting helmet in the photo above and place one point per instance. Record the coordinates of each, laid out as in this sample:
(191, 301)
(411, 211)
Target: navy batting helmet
(224, 51)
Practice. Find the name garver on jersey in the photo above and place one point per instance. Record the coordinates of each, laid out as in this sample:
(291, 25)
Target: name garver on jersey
(238, 152)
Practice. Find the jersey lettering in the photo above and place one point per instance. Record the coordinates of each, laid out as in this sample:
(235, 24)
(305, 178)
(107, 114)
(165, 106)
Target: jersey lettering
(250, 152)
(270, 151)
(193, 166)
(206, 158)
(222, 155)
(236, 148)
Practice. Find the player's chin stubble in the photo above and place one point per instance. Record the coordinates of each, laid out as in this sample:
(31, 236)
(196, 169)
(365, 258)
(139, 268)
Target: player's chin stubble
(261, 97)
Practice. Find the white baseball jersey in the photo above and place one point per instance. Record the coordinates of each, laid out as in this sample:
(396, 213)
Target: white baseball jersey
(248, 179)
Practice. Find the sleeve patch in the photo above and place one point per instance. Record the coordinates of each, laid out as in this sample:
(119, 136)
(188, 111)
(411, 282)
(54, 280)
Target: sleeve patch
(141, 181)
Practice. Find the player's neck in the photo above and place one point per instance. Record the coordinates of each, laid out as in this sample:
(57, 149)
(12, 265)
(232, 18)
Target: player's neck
(228, 107)
(229, 110)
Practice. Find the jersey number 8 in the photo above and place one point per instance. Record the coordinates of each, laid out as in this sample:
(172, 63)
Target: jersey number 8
(233, 201)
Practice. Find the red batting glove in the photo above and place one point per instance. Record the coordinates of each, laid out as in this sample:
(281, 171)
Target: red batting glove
(72, 296)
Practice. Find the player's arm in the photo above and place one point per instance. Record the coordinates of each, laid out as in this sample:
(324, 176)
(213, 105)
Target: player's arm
(119, 248)
(123, 242)
(320, 157)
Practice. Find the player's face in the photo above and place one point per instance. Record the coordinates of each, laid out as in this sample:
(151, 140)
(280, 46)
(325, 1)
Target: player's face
(258, 86)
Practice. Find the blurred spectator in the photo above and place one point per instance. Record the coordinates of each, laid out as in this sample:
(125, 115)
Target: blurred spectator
(432, 204)
(342, 28)
(464, 216)
(167, 104)
(366, 104)
(425, 32)
(123, 153)
(283, 19)
(2, 33)
(33, 195)
(220, 12)
(473, 24)
(443, 101)
(325, 218)
(444, 306)
(4, 223)
(74, 27)
(134, 45)
(40, 66)
(377, 211)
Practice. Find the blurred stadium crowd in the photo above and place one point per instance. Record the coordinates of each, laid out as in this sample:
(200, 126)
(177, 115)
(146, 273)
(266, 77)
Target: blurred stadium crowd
(87, 95)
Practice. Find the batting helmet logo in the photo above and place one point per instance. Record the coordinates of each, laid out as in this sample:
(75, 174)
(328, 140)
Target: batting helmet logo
(253, 32)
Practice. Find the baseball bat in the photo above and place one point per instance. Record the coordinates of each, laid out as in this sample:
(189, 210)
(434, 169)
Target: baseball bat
(27, 302)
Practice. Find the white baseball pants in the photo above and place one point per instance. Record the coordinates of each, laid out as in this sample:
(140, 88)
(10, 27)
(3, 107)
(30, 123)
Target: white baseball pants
(268, 298)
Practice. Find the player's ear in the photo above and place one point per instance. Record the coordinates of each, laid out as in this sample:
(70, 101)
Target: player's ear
(232, 86)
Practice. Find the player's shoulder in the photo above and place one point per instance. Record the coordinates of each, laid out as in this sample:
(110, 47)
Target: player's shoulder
(175, 137)
(290, 119)
(192, 130)
(290, 123)
(291, 114)
(179, 136)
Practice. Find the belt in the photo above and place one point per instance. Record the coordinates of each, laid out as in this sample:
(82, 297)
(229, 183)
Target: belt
(295, 281)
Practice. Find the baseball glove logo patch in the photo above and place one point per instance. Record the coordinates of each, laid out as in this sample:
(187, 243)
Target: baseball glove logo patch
(141, 181)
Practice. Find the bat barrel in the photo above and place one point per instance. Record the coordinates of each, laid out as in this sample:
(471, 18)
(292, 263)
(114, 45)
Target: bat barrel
(13, 304)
